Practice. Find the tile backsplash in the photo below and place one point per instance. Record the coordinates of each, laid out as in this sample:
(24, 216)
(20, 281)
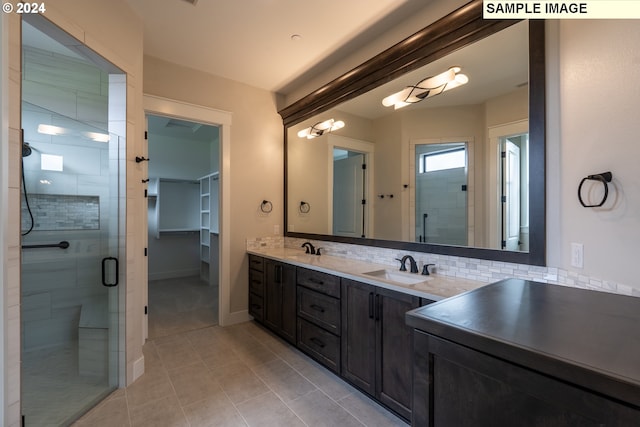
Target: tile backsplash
(57, 212)
(467, 268)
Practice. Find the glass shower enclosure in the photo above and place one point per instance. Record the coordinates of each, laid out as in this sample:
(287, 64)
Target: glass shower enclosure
(70, 224)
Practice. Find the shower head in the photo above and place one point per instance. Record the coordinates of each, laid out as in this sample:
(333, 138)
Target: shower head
(26, 149)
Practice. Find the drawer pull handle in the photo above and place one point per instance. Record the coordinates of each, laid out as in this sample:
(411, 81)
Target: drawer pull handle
(316, 281)
(317, 308)
(317, 342)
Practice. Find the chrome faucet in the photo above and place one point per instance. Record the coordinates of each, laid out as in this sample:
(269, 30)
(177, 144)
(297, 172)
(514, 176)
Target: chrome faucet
(412, 263)
(309, 248)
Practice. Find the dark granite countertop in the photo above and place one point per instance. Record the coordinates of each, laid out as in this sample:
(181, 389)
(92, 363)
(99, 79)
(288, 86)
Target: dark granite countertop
(588, 338)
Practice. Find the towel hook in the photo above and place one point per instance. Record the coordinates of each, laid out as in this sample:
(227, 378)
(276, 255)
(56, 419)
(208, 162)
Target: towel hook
(266, 206)
(604, 178)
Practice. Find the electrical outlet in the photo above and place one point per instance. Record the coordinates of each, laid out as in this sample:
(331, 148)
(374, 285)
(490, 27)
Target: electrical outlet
(577, 255)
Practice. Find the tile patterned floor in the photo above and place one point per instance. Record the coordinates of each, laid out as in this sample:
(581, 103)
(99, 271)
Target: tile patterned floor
(234, 376)
(181, 304)
(240, 375)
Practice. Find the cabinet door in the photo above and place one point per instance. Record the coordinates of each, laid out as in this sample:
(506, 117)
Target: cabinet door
(280, 299)
(288, 303)
(273, 294)
(359, 334)
(394, 350)
(456, 385)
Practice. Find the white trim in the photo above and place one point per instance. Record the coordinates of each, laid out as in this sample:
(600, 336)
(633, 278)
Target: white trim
(368, 149)
(237, 317)
(495, 216)
(183, 110)
(138, 368)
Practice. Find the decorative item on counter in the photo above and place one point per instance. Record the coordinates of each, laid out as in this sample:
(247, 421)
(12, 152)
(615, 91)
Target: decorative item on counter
(266, 206)
(304, 207)
(604, 178)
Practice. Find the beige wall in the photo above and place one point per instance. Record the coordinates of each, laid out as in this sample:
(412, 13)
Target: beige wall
(256, 154)
(592, 77)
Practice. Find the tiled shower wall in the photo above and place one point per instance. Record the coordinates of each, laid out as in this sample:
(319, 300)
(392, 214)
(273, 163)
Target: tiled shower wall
(467, 268)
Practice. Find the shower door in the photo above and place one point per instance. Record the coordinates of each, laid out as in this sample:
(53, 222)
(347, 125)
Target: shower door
(71, 233)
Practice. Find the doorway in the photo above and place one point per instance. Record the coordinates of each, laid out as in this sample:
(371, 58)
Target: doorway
(72, 284)
(349, 196)
(509, 186)
(183, 225)
(350, 170)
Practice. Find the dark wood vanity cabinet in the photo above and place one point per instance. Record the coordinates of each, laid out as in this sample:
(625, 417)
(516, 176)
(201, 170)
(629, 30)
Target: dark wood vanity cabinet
(522, 353)
(458, 386)
(319, 318)
(377, 344)
(256, 287)
(280, 299)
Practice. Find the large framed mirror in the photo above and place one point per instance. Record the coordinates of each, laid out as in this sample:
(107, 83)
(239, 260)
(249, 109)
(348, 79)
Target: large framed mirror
(457, 169)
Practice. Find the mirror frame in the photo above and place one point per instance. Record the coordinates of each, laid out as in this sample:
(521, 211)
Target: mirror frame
(460, 28)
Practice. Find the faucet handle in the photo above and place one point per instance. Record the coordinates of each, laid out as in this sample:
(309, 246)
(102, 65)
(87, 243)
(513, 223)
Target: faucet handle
(403, 267)
(318, 251)
(425, 269)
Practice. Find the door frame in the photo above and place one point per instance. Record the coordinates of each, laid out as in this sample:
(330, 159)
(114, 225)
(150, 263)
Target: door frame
(495, 134)
(160, 106)
(368, 149)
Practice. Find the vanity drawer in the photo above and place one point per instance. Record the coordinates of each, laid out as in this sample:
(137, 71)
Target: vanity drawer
(256, 282)
(256, 306)
(256, 263)
(321, 282)
(319, 344)
(320, 309)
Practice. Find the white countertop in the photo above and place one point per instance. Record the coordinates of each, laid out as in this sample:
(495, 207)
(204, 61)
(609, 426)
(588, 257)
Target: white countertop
(433, 287)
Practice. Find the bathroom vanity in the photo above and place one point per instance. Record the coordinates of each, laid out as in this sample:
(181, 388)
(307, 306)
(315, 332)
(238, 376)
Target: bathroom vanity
(348, 315)
(524, 353)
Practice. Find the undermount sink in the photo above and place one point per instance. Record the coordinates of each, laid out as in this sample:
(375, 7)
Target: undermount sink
(397, 276)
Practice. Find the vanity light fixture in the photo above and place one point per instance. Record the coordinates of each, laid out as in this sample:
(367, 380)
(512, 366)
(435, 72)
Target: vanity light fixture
(320, 128)
(426, 88)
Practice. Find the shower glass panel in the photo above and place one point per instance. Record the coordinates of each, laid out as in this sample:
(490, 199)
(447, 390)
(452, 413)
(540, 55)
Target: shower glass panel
(70, 233)
(441, 193)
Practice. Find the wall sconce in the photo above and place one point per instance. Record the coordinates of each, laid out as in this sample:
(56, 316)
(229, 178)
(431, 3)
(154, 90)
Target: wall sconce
(320, 128)
(426, 88)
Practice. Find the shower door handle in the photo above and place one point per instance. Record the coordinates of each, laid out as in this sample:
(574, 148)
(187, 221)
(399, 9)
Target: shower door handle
(104, 271)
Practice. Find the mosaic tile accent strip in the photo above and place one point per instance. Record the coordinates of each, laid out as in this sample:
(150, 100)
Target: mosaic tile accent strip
(55, 212)
(271, 242)
(468, 268)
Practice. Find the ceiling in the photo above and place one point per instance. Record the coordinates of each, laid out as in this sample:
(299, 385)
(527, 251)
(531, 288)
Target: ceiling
(250, 41)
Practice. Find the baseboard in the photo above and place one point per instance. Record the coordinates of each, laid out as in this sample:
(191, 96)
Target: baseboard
(138, 368)
(236, 317)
